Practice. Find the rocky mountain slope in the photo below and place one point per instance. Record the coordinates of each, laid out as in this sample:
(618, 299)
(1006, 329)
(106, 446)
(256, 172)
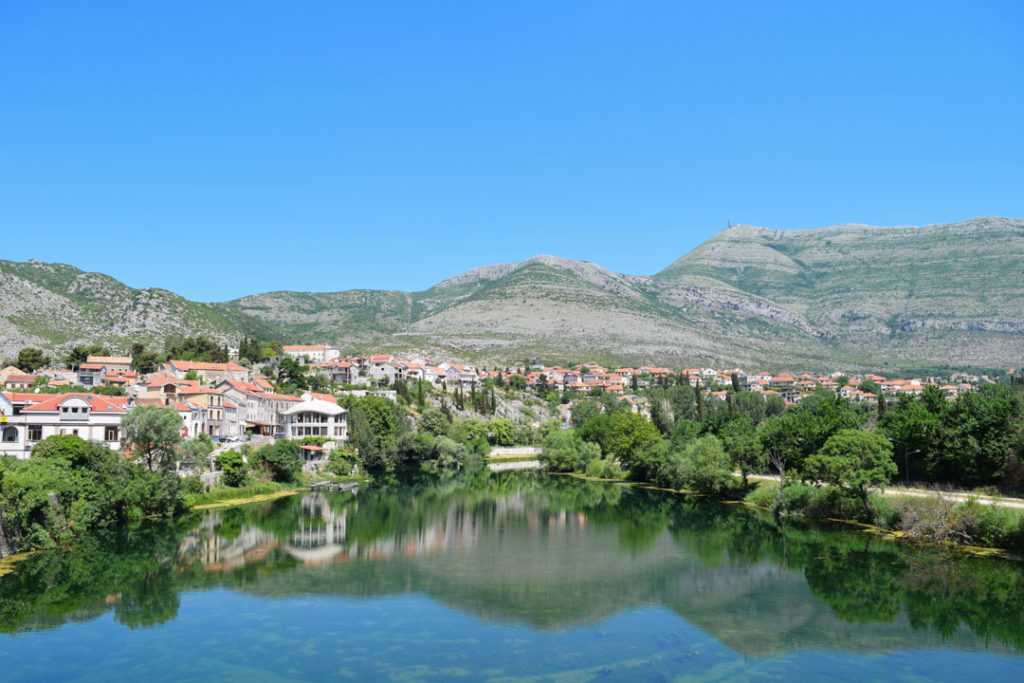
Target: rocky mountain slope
(853, 296)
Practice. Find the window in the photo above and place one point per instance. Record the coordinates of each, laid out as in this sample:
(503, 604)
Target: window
(110, 434)
(35, 432)
(10, 435)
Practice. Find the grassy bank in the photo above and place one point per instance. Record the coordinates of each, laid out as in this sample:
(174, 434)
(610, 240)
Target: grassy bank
(7, 563)
(227, 496)
(931, 518)
(511, 458)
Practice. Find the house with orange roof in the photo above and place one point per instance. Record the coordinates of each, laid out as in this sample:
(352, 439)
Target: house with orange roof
(19, 380)
(120, 378)
(208, 372)
(26, 421)
(311, 395)
(343, 371)
(91, 374)
(111, 363)
(212, 402)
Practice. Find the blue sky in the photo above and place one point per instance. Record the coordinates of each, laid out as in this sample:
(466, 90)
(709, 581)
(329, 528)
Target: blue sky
(222, 149)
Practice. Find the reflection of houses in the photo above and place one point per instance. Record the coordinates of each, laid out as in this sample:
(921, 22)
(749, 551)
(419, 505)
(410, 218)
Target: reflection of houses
(321, 534)
(217, 554)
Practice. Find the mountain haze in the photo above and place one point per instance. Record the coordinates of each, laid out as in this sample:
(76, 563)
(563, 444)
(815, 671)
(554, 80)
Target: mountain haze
(850, 296)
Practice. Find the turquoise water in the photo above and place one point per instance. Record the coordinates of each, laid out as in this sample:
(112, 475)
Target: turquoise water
(506, 577)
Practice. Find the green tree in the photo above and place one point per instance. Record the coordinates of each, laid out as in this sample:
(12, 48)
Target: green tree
(744, 447)
(434, 421)
(200, 349)
(142, 360)
(869, 386)
(502, 431)
(282, 459)
(79, 354)
(450, 453)
(622, 435)
(233, 470)
(751, 405)
(194, 454)
(150, 434)
(31, 359)
(706, 467)
(564, 451)
(855, 460)
(292, 374)
(584, 411)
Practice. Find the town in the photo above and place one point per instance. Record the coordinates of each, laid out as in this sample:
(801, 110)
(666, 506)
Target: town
(230, 401)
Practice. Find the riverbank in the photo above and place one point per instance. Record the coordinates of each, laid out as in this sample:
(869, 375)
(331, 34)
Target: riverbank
(8, 562)
(952, 496)
(990, 528)
(225, 496)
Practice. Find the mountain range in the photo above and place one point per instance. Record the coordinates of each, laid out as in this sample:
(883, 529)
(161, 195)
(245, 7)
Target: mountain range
(849, 296)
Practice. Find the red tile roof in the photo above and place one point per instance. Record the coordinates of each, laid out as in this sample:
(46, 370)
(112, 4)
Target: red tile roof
(100, 404)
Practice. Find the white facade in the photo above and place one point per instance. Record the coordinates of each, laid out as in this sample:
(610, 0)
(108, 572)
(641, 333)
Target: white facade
(90, 417)
(316, 354)
(316, 418)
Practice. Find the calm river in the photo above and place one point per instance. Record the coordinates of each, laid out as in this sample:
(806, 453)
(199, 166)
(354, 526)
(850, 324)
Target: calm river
(506, 576)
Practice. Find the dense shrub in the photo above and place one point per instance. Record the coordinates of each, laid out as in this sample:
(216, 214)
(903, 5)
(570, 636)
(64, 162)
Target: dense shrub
(233, 470)
(281, 460)
(70, 486)
(564, 451)
(605, 468)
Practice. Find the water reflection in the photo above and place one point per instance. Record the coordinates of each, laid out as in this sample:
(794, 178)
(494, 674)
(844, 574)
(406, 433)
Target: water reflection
(551, 552)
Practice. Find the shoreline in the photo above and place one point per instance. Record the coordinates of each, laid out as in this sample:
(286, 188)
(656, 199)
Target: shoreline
(893, 535)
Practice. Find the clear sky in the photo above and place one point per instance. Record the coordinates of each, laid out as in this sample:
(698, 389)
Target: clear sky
(219, 149)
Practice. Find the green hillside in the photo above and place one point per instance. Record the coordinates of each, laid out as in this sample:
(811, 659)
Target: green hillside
(850, 296)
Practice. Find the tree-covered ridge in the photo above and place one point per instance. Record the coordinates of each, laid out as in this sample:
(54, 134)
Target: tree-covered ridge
(551, 552)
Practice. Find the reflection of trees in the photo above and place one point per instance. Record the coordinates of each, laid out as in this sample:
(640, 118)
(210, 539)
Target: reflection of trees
(549, 551)
(859, 585)
(132, 571)
(151, 600)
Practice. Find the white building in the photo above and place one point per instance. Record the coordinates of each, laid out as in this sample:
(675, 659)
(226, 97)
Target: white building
(26, 419)
(315, 418)
(315, 353)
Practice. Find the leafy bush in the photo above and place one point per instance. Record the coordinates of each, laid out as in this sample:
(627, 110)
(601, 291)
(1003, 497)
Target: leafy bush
(70, 486)
(764, 495)
(450, 453)
(282, 460)
(706, 467)
(565, 452)
(435, 421)
(605, 468)
(233, 470)
(972, 522)
(340, 461)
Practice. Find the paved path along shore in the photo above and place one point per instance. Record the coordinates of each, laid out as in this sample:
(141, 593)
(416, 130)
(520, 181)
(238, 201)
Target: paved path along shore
(954, 496)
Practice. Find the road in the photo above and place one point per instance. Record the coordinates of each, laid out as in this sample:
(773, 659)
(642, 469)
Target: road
(953, 496)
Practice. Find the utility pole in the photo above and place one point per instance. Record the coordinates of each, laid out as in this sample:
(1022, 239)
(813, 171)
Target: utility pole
(906, 458)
